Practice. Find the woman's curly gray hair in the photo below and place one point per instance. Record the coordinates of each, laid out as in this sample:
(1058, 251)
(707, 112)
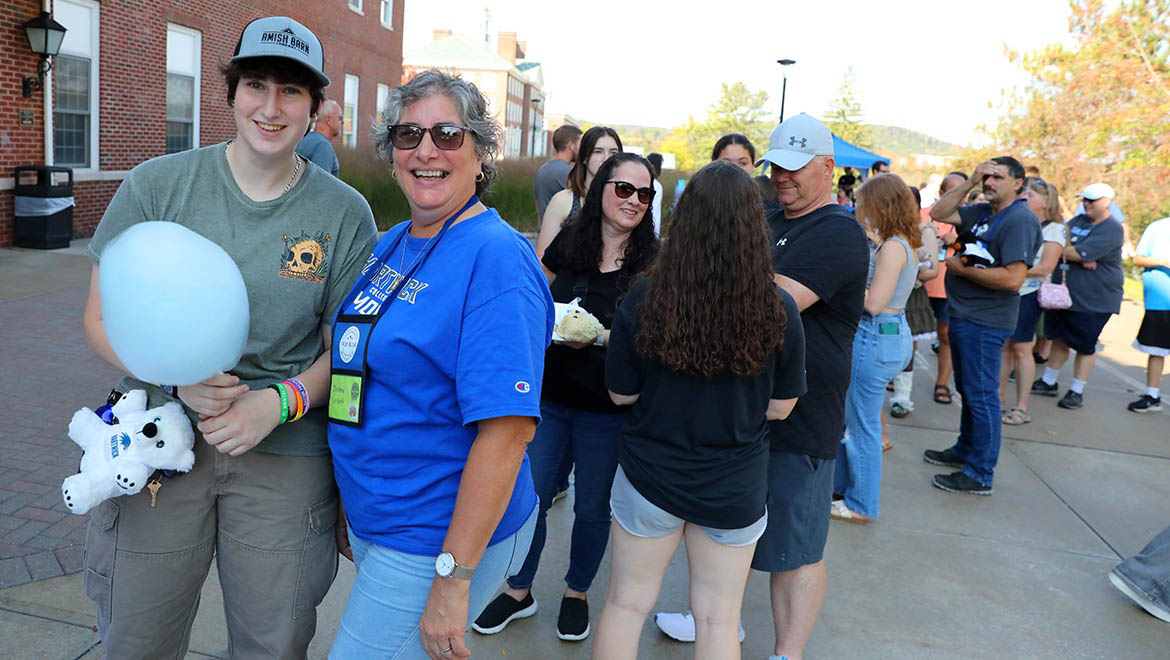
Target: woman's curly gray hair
(473, 113)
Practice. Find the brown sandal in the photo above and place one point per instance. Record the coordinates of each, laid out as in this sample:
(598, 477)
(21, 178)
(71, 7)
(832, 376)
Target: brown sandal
(942, 394)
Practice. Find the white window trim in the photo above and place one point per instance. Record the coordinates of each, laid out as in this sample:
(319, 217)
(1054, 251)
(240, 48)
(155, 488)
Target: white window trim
(357, 9)
(357, 92)
(94, 85)
(198, 36)
(387, 25)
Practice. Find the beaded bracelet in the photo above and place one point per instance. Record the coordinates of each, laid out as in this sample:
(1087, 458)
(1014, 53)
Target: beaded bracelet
(283, 401)
(302, 397)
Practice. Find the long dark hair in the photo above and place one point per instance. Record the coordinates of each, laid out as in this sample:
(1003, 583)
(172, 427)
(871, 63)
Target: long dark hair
(577, 175)
(730, 139)
(711, 305)
(581, 233)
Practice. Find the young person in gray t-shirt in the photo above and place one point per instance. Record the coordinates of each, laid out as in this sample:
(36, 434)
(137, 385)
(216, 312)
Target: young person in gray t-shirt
(261, 497)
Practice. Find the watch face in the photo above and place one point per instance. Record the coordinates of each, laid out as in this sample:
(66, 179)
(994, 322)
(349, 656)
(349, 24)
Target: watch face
(444, 564)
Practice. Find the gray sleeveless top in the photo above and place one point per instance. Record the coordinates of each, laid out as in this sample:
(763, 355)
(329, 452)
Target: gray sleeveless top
(906, 278)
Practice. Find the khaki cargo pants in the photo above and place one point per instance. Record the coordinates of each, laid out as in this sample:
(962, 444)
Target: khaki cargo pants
(267, 519)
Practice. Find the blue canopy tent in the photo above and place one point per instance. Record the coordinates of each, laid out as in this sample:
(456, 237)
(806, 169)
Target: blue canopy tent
(848, 155)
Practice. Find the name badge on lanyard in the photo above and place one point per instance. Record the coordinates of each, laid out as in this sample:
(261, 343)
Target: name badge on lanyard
(351, 337)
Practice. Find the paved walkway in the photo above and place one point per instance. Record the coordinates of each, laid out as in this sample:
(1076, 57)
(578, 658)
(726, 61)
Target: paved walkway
(1020, 574)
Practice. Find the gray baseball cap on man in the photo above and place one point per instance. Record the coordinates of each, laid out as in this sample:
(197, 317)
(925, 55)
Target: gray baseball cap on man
(281, 36)
(797, 141)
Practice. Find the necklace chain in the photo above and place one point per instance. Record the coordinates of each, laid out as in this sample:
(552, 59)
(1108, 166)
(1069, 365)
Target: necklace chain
(291, 180)
(402, 261)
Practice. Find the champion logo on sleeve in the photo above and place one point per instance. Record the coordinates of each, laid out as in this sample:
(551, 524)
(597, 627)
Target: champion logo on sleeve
(523, 387)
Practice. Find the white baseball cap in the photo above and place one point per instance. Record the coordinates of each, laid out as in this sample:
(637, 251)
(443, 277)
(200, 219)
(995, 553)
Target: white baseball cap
(281, 36)
(1097, 191)
(797, 141)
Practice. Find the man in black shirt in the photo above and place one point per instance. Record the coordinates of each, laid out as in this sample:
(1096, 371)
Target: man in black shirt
(821, 258)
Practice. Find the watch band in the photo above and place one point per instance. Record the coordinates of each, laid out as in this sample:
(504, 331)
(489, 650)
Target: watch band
(458, 571)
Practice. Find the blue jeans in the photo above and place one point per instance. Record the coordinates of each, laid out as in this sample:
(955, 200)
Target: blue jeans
(390, 592)
(1148, 572)
(588, 440)
(877, 358)
(975, 351)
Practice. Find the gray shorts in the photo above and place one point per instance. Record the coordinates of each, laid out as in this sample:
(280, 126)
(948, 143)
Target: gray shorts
(640, 517)
(800, 493)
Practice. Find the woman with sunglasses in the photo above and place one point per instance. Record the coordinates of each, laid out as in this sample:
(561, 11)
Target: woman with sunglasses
(707, 349)
(435, 387)
(146, 558)
(593, 258)
(597, 145)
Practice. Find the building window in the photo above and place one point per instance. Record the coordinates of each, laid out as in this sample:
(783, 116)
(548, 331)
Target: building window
(387, 14)
(350, 109)
(71, 126)
(383, 94)
(75, 86)
(355, 5)
(183, 48)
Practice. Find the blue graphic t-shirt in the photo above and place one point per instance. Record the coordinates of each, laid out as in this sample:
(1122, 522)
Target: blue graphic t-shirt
(463, 342)
(1155, 243)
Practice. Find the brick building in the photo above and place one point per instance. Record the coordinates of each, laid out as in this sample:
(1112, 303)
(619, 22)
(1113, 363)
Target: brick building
(139, 78)
(513, 86)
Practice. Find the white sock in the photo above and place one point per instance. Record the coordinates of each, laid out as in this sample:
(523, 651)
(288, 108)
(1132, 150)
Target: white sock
(1077, 386)
(1152, 392)
(1050, 375)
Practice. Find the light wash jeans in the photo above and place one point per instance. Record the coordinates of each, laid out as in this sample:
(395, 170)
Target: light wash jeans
(876, 359)
(391, 589)
(1148, 572)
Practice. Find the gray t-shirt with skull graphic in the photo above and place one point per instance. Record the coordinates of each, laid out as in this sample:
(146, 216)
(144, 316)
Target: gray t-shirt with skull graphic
(299, 255)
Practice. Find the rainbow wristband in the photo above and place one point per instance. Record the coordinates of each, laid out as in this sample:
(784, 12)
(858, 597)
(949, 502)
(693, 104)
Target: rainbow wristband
(294, 412)
(283, 402)
(302, 396)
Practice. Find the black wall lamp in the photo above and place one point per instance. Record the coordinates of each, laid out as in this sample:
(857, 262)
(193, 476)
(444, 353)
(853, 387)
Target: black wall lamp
(44, 38)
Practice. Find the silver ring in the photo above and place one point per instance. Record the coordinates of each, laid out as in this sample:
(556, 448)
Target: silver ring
(447, 650)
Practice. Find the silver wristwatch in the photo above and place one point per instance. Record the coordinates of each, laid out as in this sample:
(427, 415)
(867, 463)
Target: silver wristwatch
(447, 567)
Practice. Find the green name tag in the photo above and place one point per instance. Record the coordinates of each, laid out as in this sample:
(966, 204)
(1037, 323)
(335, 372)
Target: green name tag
(345, 398)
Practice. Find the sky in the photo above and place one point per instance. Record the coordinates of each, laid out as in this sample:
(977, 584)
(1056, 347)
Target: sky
(918, 64)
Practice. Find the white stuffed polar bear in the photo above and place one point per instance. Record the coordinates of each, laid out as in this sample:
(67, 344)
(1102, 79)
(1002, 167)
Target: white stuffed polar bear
(119, 459)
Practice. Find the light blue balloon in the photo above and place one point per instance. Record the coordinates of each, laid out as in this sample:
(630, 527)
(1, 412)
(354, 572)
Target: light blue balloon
(174, 305)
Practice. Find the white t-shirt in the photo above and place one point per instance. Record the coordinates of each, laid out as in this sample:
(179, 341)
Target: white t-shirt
(656, 208)
(1053, 232)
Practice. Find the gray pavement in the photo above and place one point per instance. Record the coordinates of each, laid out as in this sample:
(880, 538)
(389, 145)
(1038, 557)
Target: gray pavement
(1020, 574)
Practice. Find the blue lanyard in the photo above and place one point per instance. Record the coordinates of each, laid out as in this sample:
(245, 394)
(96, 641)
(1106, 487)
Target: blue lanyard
(994, 223)
(362, 282)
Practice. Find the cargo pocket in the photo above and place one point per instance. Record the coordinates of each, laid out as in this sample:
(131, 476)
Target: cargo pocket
(101, 543)
(318, 564)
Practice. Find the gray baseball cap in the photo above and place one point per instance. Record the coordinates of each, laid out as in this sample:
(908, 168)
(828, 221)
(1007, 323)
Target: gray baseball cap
(281, 36)
(796, 142)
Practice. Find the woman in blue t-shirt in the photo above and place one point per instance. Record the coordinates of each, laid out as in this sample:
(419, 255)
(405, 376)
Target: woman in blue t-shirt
(592, 259)
(882, 344)
(437, 358)
(707, 349)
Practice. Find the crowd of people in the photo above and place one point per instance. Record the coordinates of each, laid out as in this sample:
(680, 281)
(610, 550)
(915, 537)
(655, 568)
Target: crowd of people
(732, 400)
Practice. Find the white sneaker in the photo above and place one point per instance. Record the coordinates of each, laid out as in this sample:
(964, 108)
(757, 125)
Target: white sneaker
(1148, 605)
(681, 625)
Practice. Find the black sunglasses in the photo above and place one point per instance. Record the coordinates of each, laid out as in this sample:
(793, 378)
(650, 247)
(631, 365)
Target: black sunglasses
(447, 137)
(623, 190)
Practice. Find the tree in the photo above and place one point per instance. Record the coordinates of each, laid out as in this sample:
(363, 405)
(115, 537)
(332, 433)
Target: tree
(844, 115)
(737, 110)
(1099, 110)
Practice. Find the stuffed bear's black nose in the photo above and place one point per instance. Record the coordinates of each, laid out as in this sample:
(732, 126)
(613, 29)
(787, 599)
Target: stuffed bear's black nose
(150, 430)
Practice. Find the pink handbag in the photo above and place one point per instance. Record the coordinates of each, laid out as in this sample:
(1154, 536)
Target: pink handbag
(1055, 296)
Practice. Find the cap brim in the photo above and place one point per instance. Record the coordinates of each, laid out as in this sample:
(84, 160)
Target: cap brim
(324, 79)
(785, 159)
(1090, 197)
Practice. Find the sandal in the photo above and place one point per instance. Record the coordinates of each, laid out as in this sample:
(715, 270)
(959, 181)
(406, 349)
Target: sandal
(1016, 417)
(841, 512)
(942, 394)
(886, 445)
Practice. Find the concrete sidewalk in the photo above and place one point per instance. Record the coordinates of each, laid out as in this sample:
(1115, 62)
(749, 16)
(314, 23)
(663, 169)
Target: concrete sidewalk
(1021, 574)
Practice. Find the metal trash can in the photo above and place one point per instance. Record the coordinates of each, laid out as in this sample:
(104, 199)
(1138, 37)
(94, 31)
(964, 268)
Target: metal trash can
(44, 211)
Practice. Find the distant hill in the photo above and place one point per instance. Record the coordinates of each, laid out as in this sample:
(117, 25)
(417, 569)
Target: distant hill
(905, 142)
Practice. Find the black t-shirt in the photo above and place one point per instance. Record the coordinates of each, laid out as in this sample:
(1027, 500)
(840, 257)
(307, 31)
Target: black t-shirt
(826, 251)
(575, 377)
(696, 447)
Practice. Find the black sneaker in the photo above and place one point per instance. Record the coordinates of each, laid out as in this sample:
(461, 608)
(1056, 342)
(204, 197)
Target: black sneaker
(958, 482)
(1071, 400)
(1044, 389)
(1146, 404)
(944, 457)
(573, 621)
(501, 611)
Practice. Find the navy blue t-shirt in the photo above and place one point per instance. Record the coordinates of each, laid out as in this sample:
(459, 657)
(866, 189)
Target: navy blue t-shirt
(463, 342)
(1099, 289)
(1013, 236)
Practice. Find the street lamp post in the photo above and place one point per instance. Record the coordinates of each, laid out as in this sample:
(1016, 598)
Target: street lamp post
(784, 88)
